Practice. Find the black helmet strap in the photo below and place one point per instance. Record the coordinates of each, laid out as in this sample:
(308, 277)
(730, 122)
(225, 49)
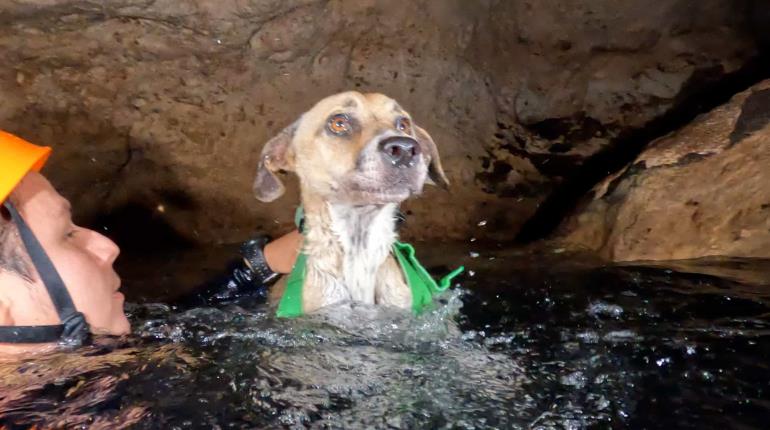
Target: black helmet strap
(73, 329)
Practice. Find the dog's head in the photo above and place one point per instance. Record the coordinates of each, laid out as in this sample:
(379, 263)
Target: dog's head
(352, 148)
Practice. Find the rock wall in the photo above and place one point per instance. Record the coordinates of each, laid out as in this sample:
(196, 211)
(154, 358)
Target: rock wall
(702, 191)
(158, 109)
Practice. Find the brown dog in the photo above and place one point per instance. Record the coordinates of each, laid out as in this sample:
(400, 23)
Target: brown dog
(357, 157)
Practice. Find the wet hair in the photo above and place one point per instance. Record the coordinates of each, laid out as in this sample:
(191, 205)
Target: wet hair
(13, 257)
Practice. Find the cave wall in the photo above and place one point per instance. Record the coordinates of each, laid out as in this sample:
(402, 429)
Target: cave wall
(165, 105)
(701, 191)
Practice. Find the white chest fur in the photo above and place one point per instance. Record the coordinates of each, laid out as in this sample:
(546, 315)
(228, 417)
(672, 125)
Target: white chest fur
(366, 234)
(349, 258)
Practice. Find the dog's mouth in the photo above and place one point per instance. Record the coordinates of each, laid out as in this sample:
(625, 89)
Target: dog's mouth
(362, 195)
(390, 190)
(376, 181)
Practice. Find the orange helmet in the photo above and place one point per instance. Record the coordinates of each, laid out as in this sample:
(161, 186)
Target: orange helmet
(17, 158)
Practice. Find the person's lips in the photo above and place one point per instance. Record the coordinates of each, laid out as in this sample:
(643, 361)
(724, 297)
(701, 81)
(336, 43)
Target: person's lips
(118, 296)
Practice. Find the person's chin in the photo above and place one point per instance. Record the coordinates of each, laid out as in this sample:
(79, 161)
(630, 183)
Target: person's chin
(120, 324)
(124, 327)
(118, 327)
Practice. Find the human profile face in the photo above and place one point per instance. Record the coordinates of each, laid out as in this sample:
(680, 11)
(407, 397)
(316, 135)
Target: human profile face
(83, 257)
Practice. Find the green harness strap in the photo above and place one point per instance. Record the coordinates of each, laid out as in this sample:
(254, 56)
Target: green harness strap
(419, 280)
(423, 286)
(290, 305)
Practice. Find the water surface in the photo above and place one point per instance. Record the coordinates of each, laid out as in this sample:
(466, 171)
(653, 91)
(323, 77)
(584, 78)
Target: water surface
(535, 339)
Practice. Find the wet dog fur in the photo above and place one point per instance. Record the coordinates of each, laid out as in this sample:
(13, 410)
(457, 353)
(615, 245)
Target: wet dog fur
(357, 157)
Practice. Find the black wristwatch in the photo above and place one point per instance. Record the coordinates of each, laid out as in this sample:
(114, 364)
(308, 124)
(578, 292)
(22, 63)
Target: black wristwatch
(253, 255)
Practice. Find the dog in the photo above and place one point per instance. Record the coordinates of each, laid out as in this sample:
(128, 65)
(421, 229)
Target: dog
(357, 156)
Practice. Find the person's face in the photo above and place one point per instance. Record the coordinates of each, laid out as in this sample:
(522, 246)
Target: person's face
(82, 257)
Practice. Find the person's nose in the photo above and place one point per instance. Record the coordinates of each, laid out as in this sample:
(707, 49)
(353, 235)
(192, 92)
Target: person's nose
(103, 248)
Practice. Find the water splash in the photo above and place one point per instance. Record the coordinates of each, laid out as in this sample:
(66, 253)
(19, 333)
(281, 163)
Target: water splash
(532, 345)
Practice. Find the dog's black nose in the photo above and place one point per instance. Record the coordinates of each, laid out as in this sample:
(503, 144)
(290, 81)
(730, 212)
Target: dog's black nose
(400, 150)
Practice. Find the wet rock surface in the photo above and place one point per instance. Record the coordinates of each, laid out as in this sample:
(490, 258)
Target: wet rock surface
(701, 191)
(158, 110)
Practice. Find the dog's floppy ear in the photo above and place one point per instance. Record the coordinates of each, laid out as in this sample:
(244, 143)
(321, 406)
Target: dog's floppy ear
(276, 156)
(436, 175)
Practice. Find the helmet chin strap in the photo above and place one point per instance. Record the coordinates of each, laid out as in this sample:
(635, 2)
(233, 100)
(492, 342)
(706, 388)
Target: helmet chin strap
(73, 330)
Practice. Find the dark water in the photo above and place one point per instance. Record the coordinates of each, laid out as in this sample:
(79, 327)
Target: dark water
(531, 340)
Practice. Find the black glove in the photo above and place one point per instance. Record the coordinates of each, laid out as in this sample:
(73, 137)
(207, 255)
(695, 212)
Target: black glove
(248, 275)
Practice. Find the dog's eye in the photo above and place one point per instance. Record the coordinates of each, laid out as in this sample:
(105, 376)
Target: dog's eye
(403, 124)
(339, 124)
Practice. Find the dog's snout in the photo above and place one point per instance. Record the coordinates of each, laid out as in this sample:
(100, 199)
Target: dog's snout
(399, 150)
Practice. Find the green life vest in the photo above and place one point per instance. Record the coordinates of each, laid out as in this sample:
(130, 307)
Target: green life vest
(422, 285)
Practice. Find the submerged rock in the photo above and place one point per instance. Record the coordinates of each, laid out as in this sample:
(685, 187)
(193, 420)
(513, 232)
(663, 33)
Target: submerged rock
(701, 191)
